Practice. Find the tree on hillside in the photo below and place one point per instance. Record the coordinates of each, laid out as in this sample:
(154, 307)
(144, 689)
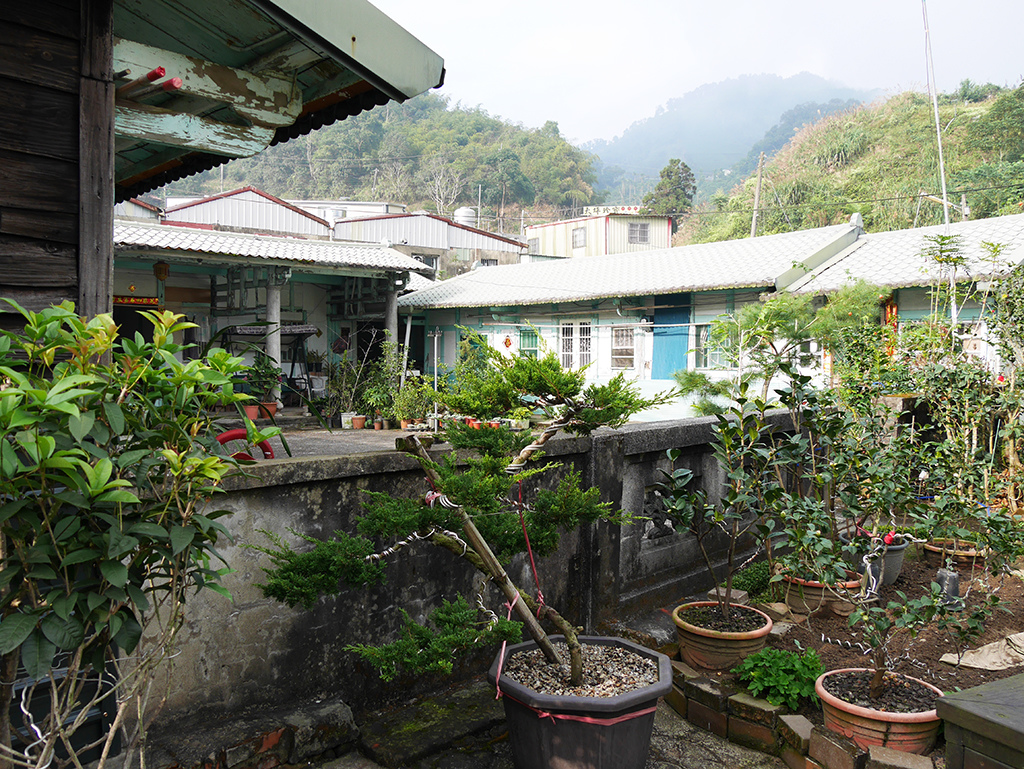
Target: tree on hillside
(674, 193)
(443, 181)
(505, 182)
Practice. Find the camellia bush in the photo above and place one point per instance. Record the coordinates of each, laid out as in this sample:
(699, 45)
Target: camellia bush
(108, 462)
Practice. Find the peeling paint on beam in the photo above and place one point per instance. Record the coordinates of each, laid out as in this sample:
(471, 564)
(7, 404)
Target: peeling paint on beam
(267, 99)
(154, 124)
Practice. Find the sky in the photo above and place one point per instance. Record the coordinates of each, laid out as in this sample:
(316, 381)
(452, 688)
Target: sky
(596, 67)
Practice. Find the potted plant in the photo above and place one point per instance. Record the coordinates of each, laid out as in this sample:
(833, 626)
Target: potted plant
(878, 706)
(476, 516)
(718, 634)
(264, 379)
(413, 401)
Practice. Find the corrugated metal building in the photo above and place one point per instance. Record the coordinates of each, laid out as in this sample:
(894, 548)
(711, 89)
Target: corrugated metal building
(448, 246)
(611, 233)
(249, 209)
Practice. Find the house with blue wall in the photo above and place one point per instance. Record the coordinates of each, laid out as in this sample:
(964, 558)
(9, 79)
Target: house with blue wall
(648, 315)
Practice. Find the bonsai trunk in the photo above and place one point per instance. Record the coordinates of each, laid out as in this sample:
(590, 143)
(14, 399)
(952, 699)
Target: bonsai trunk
(525, 609)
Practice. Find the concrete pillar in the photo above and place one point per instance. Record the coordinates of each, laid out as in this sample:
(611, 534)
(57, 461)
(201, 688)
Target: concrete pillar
(391, 313)
(278, 278)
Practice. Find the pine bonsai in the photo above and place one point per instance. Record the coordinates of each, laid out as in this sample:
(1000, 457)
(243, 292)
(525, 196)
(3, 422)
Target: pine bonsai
(473, 511)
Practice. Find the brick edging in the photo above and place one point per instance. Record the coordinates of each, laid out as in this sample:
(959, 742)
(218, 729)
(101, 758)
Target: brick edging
(756, 723)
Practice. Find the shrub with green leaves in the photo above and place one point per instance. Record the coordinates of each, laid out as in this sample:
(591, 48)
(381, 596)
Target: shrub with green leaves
(108, 460)
(781, 677)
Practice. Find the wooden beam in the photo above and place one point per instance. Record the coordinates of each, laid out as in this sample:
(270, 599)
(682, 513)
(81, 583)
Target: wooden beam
(266, 99)
(96, 160)
(163, 126)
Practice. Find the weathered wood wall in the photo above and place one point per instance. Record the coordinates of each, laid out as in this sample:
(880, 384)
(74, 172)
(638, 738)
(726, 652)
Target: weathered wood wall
(56, 153)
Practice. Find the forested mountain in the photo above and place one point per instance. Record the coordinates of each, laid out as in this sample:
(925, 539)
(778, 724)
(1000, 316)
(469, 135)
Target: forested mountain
(715, 125)
(425, 155)
(878, 160)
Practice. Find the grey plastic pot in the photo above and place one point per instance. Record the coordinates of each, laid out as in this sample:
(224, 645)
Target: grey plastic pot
(545, 732)
(893, 560)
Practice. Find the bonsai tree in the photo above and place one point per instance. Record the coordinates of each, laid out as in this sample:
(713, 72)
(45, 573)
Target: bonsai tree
(108, 459)
(476, 514)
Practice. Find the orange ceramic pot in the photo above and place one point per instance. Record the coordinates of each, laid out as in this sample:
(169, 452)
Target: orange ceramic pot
(717, 649)
(909, 732)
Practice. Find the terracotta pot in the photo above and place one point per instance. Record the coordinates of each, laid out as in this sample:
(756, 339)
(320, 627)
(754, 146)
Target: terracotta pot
(909, 732)
(963, 554)
(252, 411)
(567, 732)
(405, 423)
(378, 424)
(358, 421)
(716, 649)
(268, 410)
(805, 596)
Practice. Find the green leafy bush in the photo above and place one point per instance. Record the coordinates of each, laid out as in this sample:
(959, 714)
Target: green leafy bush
(781, 677)
(108, 464)
(755, 579)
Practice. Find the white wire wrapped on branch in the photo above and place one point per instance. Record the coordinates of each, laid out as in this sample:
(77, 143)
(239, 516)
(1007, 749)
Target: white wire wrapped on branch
(414, 537)
(548, 432)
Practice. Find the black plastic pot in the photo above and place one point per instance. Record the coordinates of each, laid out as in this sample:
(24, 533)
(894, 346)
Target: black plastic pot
(544, 730)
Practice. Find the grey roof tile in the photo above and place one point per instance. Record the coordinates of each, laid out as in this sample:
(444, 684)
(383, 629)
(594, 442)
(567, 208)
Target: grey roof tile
(324, 253)
(750, 262)
(893, 259)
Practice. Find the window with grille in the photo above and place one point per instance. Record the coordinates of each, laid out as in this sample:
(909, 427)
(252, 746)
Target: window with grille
(579, 237)
(529, 344)
(488, 262)
(534, 245)
(575, 344)
(623, 348)
(639, 232)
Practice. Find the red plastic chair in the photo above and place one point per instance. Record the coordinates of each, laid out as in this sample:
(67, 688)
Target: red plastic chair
(239, 441)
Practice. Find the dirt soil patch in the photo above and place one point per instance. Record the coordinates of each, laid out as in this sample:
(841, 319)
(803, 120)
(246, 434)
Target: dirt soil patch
(830, 634)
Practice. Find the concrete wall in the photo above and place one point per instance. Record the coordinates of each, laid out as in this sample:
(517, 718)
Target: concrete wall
(255, 653)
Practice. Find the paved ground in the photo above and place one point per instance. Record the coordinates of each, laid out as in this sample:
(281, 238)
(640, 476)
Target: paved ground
(306, 441)
(675, 744)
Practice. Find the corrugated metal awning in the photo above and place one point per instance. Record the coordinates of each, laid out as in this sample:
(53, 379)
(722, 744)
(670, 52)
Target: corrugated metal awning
(253, 73)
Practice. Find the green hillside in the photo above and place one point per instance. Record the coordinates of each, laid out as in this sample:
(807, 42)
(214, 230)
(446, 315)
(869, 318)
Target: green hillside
(878, 160)
(424, 154)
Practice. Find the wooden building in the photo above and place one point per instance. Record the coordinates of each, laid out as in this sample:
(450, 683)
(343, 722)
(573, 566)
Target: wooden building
(238, 75)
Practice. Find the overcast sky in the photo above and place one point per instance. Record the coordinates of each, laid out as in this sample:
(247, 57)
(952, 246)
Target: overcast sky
(595, 67)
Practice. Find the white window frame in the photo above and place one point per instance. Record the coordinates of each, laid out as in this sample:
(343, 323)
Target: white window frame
(575, 343)
(639, 233)
(707, 354)
(623, 347)
(579, 237)
(533, 246)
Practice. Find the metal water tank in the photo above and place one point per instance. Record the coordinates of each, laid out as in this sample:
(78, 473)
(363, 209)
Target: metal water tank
(465, 216)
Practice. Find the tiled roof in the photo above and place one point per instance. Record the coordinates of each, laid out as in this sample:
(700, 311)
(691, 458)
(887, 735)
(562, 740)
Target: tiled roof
(893, 259)
(325, 253)
(730, 264)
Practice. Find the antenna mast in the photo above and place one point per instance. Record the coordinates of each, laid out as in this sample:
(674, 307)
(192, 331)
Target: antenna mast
(933, 92)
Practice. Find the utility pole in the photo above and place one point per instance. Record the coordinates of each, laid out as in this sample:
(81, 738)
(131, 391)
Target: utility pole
(757, 197)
